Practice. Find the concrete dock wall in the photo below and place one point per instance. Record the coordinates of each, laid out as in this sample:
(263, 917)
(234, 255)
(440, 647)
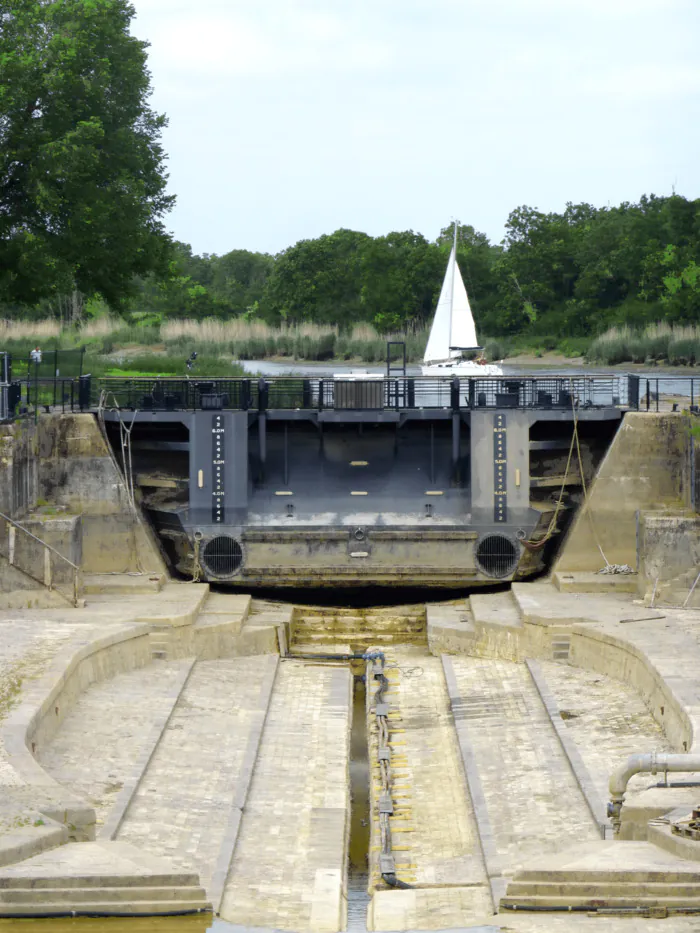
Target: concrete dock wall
(75, 471)
(646, 468)
(60, 482)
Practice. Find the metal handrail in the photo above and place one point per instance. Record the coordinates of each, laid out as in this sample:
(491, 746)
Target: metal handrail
(47, 547)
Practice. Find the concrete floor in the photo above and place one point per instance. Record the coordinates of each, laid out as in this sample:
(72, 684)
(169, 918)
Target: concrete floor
(241, 762)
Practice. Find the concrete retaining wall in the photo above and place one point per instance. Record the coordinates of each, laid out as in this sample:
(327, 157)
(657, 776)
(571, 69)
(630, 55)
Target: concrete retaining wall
(76, 471)
(646, 468)
(44, 707)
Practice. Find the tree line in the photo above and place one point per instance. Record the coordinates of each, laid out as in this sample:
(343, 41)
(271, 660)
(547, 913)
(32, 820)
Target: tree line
(574, 273)
(83, 203)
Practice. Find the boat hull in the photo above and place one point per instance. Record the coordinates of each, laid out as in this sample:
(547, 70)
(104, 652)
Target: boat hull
(461, 368)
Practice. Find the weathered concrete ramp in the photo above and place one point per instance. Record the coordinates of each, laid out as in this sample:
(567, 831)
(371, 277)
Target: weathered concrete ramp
(187, 805)
(435, 842)
(526, 797)
(290, 863)
(99, 878)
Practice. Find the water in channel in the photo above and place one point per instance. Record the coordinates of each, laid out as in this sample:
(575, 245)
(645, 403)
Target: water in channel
(359, 813)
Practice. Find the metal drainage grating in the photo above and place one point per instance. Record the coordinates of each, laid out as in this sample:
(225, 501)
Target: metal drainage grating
(497, 555)
(222, 556)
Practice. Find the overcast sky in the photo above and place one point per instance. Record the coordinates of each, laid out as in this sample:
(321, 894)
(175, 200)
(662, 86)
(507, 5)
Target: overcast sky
(292, 118)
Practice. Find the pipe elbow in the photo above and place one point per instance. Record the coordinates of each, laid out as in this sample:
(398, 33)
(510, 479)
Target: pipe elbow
(635, 764)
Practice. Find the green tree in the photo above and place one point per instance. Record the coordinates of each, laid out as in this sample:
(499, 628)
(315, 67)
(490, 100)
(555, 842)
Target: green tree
(401, 276)
(317, 280)
(238, 278)
(82, 182)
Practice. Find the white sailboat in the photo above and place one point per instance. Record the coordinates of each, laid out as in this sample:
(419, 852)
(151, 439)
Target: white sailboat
(453, 330)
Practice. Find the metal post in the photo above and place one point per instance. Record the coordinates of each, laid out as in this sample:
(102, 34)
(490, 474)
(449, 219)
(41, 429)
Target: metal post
(286, 458)
(262, 440)
(36, 391)
(432, 454)
(47, 568)
(456, 438)
(454, 393)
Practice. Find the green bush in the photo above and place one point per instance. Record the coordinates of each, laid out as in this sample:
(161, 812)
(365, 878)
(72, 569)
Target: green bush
(574, 346)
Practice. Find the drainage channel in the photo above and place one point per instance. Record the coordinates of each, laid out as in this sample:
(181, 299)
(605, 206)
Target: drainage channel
(373, 679)
(358, 848)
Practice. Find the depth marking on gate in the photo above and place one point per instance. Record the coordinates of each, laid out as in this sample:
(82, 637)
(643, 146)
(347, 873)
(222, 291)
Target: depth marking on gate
(218, 462)
(500, 492)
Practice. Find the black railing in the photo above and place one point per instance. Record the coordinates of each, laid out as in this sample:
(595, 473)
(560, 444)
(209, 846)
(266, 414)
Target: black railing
(404, 393)
(358, 394)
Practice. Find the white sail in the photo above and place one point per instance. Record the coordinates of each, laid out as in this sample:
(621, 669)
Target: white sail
(453, 324)
(463, 332)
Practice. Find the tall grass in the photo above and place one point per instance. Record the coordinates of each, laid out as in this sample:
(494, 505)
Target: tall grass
(101, 327)
(679, 345)
(251, 340)
(23, 330)
(235, 338)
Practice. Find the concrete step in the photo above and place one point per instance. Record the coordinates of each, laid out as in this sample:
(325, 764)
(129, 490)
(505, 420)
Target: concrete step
(145, 908)
(590, 582)
(417, 611)
(609, 889)
(357, 619)
(13, 880)
(604, 876)
(73, 896)
(352, 631)
(618, 902)
(495, 609)
(359, 638)
(113, 584)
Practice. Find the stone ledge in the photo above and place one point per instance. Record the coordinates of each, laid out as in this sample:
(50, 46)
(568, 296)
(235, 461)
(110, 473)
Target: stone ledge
(21, 844)
(595, 582)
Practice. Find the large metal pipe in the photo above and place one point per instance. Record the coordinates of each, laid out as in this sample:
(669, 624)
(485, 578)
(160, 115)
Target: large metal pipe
(650, 763)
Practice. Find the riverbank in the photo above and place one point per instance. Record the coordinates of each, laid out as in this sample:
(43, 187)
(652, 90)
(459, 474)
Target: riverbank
(228, 348)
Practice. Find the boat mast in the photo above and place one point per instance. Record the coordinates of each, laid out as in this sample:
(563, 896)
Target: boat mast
(452, 287)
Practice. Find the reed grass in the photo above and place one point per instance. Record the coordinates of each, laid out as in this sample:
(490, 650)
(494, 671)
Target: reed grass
(235, 338)
(678, 344)
(25, 330)
(101, 327)
(254, 340)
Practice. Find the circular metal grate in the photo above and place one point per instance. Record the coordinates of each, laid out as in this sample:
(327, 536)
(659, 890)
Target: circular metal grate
(222, 556)
(497, 555)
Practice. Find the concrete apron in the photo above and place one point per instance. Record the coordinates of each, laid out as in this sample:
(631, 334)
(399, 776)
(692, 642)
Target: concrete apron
(608, 634)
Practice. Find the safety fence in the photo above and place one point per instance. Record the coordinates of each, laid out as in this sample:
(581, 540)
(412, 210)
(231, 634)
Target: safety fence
(364, 393)
(355, 393)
